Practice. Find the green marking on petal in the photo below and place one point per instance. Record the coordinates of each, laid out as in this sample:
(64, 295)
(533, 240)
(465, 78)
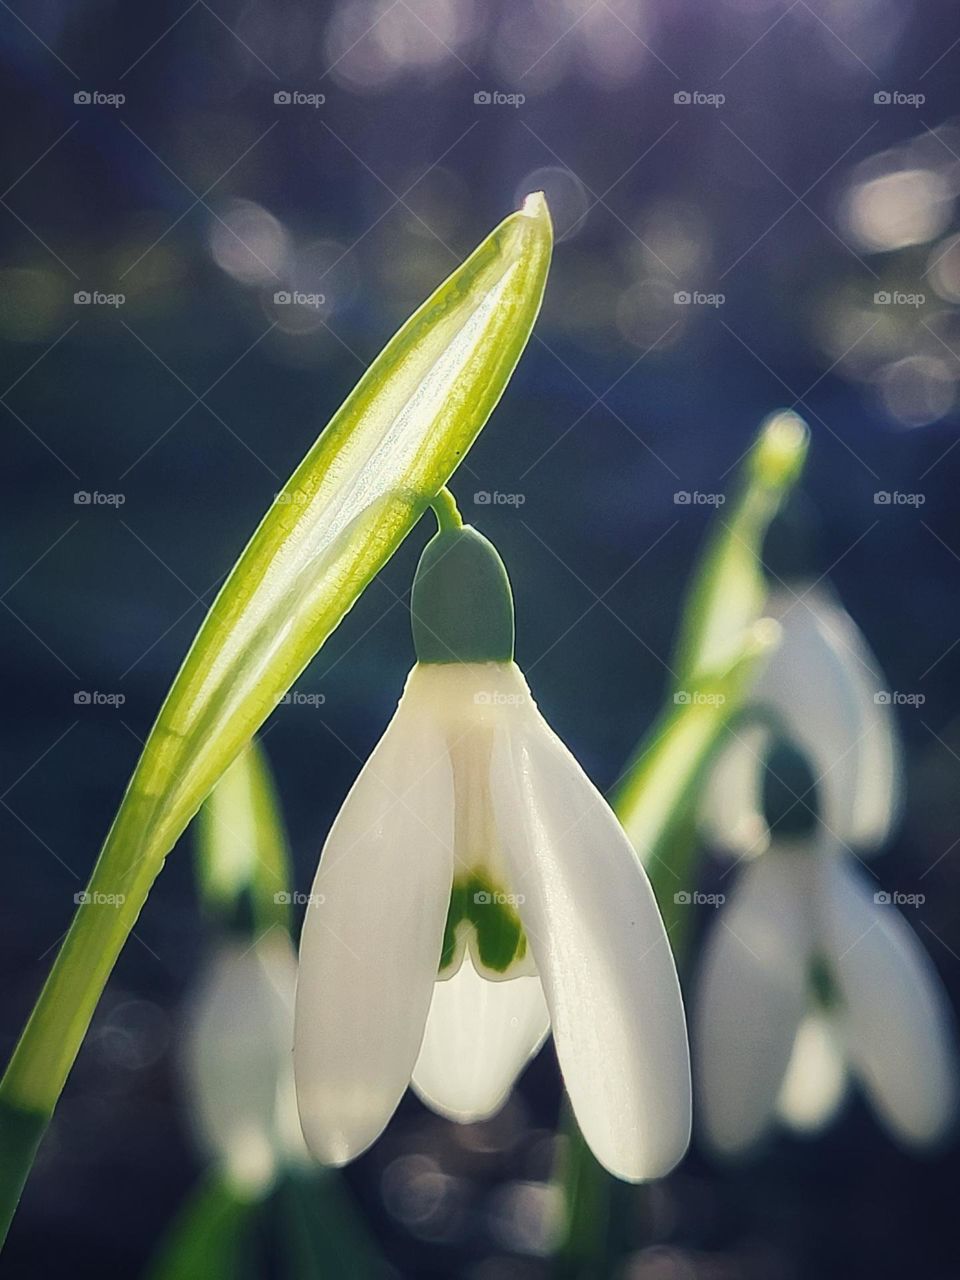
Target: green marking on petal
(456, 913)
(826, 994)
(498, 936)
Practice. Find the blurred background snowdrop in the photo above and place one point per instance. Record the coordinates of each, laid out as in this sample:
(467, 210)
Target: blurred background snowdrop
(238, 1041)
(810, 974)
(238, 1067)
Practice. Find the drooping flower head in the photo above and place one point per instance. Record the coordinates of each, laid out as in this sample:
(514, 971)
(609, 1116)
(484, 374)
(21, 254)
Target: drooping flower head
(474, 892)
(237, 1058)
(811, 977)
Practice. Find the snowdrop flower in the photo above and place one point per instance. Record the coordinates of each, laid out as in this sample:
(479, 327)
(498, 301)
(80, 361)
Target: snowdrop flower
(237, 1059)
(474, 892)
(821, 691)
(810, 978)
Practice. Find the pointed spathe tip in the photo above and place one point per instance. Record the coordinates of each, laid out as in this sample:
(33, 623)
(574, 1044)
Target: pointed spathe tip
(535, 206)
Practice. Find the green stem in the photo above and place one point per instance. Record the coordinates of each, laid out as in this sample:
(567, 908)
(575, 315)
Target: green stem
(446, 510)
(586, 1187)
(20, 1134)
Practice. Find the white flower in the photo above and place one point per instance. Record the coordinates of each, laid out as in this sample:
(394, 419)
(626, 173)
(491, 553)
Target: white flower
(475, 891)
(237, 1059)
(807, 980)
(822, 691)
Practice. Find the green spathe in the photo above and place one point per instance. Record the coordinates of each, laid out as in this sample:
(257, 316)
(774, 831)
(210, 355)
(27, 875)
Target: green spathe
(461, 609)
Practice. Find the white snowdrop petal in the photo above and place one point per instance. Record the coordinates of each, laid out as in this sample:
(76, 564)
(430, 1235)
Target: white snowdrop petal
(601, 951)
(898, 1029)
(372, 938)
(878, 797)
(479, 1037)
(237, 1056)
(751, 997)
(816, 1079)
(731, 813)
(823, 681)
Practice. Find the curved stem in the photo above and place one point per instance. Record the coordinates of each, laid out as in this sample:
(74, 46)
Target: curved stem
(446, 510)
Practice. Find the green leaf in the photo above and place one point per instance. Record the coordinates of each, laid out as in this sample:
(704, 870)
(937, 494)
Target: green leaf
(209, 1236)
(729, 586)
(722, 639)
(243, 863)
(321, 1231)
(652, 798)
(391, 447)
